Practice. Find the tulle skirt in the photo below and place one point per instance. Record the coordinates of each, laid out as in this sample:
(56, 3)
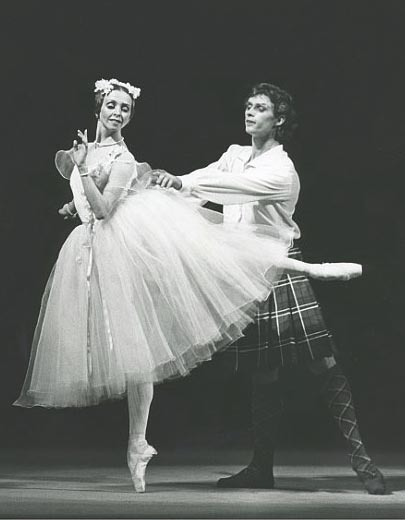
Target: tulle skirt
(145, 295)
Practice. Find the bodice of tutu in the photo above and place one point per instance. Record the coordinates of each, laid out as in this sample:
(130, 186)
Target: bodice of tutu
(144, 295)
(99, 162)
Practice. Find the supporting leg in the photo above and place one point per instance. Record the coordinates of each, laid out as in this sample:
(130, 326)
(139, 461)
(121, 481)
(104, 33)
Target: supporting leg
(266, 413)
(139, 451)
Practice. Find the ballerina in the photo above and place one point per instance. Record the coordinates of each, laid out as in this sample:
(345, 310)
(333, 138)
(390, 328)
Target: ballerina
(147, 287)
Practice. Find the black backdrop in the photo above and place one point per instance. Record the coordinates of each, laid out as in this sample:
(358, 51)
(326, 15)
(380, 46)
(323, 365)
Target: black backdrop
(342, 61)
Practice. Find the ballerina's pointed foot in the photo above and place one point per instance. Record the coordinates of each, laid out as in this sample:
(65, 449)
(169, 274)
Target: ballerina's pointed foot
(336, 271)
(137, 460)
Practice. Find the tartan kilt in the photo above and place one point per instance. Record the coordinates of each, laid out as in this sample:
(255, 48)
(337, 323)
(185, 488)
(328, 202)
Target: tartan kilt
(289, 329)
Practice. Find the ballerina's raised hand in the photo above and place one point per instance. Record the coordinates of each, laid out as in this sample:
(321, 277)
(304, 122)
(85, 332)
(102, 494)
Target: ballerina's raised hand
(79, 152)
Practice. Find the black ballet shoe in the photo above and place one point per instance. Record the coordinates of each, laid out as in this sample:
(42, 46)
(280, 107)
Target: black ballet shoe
(372, 479)
(251, 478)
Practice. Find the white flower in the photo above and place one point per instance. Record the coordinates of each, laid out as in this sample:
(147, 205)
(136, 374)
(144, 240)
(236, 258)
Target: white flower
(106, 86)
(103, 85)
(134, 91)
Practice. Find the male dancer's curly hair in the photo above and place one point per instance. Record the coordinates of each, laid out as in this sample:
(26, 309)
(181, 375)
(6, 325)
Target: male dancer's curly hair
(283, 107)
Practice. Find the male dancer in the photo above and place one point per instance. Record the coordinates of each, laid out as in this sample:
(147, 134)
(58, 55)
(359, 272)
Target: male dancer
(258, 184)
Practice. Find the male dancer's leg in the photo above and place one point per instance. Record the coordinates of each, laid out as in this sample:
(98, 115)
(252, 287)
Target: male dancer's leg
(267, 408)
(335, 391)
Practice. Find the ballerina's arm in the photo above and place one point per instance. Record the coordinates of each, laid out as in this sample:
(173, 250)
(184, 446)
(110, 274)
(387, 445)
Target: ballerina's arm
(121, 173)
(103, 203)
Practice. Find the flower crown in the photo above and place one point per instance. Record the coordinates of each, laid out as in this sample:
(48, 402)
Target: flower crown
(107, 85)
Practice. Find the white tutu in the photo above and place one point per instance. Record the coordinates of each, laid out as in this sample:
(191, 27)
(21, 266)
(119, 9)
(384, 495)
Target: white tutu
(146, 294)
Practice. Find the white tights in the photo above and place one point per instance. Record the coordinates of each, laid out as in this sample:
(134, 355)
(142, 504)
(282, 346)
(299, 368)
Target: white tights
(139, 400)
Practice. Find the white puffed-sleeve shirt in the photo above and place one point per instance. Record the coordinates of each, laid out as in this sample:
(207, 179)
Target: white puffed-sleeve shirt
(263, 190)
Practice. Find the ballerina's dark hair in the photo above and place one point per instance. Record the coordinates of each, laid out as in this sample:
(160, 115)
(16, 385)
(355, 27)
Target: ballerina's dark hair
(283, 107)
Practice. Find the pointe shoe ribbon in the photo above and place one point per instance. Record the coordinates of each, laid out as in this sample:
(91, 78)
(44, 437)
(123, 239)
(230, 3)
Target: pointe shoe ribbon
(137, 463)
(336, 271)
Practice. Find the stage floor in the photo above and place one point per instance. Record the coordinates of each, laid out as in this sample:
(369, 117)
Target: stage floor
(181, 484)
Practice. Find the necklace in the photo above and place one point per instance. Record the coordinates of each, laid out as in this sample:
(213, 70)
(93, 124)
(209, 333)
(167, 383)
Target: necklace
(104, 145)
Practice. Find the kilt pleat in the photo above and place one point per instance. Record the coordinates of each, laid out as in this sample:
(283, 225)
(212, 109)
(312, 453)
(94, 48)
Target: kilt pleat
(289, 328)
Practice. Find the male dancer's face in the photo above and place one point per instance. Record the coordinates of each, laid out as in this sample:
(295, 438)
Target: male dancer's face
(259, 117)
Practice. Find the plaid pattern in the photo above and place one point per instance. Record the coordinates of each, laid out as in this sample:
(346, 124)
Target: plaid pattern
(289, 328)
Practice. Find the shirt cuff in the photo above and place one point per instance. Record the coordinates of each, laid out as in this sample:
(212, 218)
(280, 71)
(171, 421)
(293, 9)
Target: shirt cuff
(186, 185)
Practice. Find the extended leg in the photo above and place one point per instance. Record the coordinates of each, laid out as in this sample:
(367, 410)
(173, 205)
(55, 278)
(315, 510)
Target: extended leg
(327, 271)
(336, 392)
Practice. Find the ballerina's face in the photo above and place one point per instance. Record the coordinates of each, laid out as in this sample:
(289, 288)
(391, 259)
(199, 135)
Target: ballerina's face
(260, 120)
(115, 112)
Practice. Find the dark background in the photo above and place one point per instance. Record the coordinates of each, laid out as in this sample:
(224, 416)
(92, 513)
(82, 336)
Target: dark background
(343, 61)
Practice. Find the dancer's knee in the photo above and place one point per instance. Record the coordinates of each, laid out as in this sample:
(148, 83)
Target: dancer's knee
(320, 366)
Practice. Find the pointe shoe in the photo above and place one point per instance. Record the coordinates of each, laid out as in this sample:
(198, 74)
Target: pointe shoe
(137, 462)
(335, 271)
